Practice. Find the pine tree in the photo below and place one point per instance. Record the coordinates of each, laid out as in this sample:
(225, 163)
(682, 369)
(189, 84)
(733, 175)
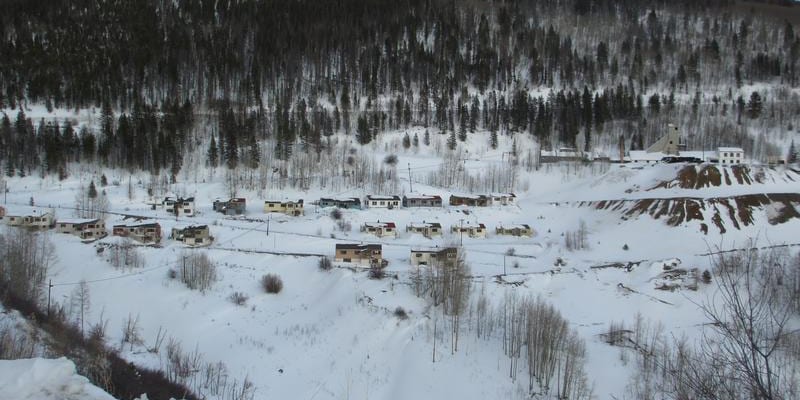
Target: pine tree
(415, 141)
(493, 139)
(92, 193)
(254, 154)
(451, 140)
(212, 157)
(406, 141)
(791, 156)
(363, 134)
(754, 106)
(426, 139)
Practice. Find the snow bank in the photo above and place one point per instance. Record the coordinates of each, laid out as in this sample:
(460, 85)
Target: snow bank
(43, 379)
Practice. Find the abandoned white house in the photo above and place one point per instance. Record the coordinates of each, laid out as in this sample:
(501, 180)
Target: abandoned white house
(422, 200)
(142, 231)
(427, 229)
(369, 255)
(380, 229)
(234, 206)
(82, 228)
(29, 217)
(434, 257)
(514, 230)
(180, 206)
(473, 230)
(730, 155)
(193, 235)
(288, 207)
(377, 201)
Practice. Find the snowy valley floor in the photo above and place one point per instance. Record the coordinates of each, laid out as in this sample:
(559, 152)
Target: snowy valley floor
(334, 335)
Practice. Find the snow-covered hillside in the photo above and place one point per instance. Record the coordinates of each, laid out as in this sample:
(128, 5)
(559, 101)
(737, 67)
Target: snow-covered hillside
(335, 334)
(43, 379)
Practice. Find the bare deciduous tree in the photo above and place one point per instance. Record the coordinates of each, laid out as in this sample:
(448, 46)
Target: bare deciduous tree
(196, 270)
(26, 257)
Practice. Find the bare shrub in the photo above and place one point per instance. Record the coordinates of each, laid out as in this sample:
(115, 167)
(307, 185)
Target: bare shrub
(706, 277)
(344, 226)
(748, 349)
(325, 263)
(616, 334)
(272, 283)
(16, 343)
(400, 313)
(390, 159)
(238, 298)
(131, 332)
(180, 366)
(578, 239)
(125, 255)
(196, 270)
(336, 214)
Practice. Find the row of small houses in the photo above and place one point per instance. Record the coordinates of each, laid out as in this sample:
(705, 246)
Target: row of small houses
(431, 229)
(149, 232)
(371, 255)
(419, 200)
(237, 205)
(141, 230)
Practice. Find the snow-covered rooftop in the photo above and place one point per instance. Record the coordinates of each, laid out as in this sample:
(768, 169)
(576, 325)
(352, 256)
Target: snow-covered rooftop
(383, 197)
(17, 210)
(76, 221)
(134, 224)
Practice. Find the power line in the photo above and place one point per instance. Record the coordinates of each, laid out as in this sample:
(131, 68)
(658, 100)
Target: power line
(140, 272)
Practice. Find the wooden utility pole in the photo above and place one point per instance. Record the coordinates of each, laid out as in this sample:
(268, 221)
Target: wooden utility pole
(434, 340)
(410, 187)
(49, 289)
(461, 231)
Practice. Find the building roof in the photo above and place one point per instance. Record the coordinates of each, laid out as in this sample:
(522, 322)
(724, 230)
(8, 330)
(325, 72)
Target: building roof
(425, 225)
(642, 155)
(138, 224)
(77, 221)
(503, 195)
(352, 246)
(380, 224)
(15, 210)
(300, 201)
(514, 226)
(434, 250)
(382, 197)
(341, 199)
(422, 196)
(470, 225)
(192, 228)
(731, 149)
(470, 196)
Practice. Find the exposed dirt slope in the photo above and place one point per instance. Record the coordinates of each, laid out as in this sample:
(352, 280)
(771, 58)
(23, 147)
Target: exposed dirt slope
(736, 211)
(706, 175)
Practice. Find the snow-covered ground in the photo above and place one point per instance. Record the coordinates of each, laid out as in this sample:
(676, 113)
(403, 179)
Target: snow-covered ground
(333, 335)
(43, 379)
